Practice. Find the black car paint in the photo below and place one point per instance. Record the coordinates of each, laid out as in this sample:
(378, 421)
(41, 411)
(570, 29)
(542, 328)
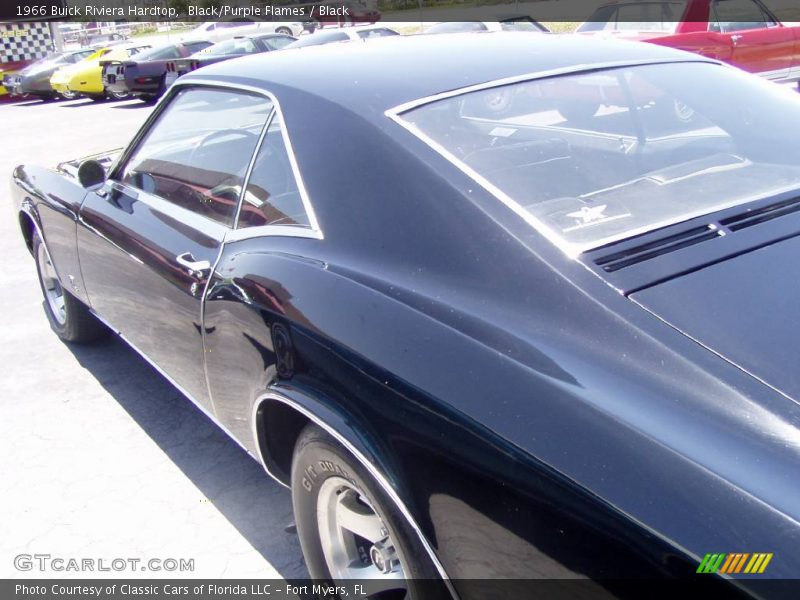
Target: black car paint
(534, 420)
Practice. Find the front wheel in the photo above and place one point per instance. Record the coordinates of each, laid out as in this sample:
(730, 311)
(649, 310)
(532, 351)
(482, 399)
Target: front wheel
(348, 527)
(68, 316)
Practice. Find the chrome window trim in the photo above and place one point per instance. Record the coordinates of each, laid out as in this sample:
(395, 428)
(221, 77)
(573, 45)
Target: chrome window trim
(232, 233)
(371, 468)
(297, 231)
(572, 250)
(314, 231)
(249, 171)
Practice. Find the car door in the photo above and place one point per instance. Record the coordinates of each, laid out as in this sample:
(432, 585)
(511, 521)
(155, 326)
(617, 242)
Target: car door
(151, 235)
(760, 43)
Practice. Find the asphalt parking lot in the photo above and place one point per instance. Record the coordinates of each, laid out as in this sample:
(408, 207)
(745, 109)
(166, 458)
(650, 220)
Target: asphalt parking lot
(103, 458)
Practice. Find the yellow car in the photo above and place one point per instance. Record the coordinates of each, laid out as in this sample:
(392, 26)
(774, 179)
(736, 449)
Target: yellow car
(85, 78)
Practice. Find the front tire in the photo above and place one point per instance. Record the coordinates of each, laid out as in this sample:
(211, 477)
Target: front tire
(348, 527)
(69, 317)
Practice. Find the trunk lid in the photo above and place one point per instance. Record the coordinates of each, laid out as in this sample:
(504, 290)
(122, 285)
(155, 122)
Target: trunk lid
(746, 309)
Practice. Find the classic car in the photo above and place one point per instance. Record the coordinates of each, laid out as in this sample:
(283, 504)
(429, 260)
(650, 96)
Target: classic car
(34, 80)
(744, 33)
(219, 31)
(235, 48)
(85, 78)
(144, 75)
(534, 346)
(361, 33)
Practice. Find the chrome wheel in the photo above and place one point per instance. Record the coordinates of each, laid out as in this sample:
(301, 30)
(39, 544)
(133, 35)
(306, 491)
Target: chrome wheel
(53, 293)
(70, 95)
(355, 541)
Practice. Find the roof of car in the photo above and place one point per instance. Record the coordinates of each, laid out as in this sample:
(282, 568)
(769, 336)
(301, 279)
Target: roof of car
(371, 78)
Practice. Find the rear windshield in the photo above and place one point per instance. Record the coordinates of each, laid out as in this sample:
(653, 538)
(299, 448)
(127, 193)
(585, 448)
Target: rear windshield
(596, 157)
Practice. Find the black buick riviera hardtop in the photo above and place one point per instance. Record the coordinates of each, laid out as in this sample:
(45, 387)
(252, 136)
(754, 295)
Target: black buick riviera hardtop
(493, 306)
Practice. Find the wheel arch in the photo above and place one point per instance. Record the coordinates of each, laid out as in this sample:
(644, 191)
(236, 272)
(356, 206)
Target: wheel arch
(277, 422)
(28, 224)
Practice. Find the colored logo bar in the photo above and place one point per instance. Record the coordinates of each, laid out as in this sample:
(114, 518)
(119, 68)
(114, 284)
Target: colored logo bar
(736, 562)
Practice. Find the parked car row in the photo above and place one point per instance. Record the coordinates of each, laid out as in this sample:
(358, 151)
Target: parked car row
(744, 33)
(146, 72)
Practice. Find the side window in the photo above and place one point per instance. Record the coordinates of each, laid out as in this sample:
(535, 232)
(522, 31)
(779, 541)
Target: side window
(197, 152)
(272, 196)
(738, 15)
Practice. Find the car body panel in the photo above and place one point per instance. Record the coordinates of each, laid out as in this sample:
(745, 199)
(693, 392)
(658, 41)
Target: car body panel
(131, 279)
(533, 420)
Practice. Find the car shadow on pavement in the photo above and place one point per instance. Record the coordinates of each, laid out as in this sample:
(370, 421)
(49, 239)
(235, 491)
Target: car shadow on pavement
(134, 103)
(31, 102)
(258, 507)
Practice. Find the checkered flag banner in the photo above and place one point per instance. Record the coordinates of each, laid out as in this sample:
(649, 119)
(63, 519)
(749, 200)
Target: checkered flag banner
(24, 41)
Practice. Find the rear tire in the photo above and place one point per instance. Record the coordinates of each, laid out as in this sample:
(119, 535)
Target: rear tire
(117, 95)
(330, 489)
(283, 31)
(69, 95)
(69, 318)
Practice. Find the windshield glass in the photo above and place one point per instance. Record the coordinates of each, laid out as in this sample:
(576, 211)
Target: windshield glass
(592, 158)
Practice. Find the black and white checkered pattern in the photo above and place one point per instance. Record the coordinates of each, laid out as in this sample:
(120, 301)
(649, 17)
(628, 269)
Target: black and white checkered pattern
(24, 41)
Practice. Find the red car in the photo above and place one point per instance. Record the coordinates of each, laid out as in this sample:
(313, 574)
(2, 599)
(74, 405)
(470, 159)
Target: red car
(744, 33)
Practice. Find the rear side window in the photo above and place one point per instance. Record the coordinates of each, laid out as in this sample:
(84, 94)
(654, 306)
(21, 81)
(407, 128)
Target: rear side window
(737, 15)
(645, 16)
(197, 153)
(273, 195)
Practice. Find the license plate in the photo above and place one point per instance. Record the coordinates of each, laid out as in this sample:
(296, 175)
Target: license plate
(170, 78)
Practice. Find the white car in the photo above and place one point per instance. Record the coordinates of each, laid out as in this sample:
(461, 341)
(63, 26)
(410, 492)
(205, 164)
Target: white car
(362, 33)
(226, 30)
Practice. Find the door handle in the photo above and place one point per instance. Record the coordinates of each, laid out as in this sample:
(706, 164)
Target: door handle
(195, 267)
(735, 38)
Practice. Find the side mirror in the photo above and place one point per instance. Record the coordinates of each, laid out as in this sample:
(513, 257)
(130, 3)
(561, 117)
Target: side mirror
(91, 173)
